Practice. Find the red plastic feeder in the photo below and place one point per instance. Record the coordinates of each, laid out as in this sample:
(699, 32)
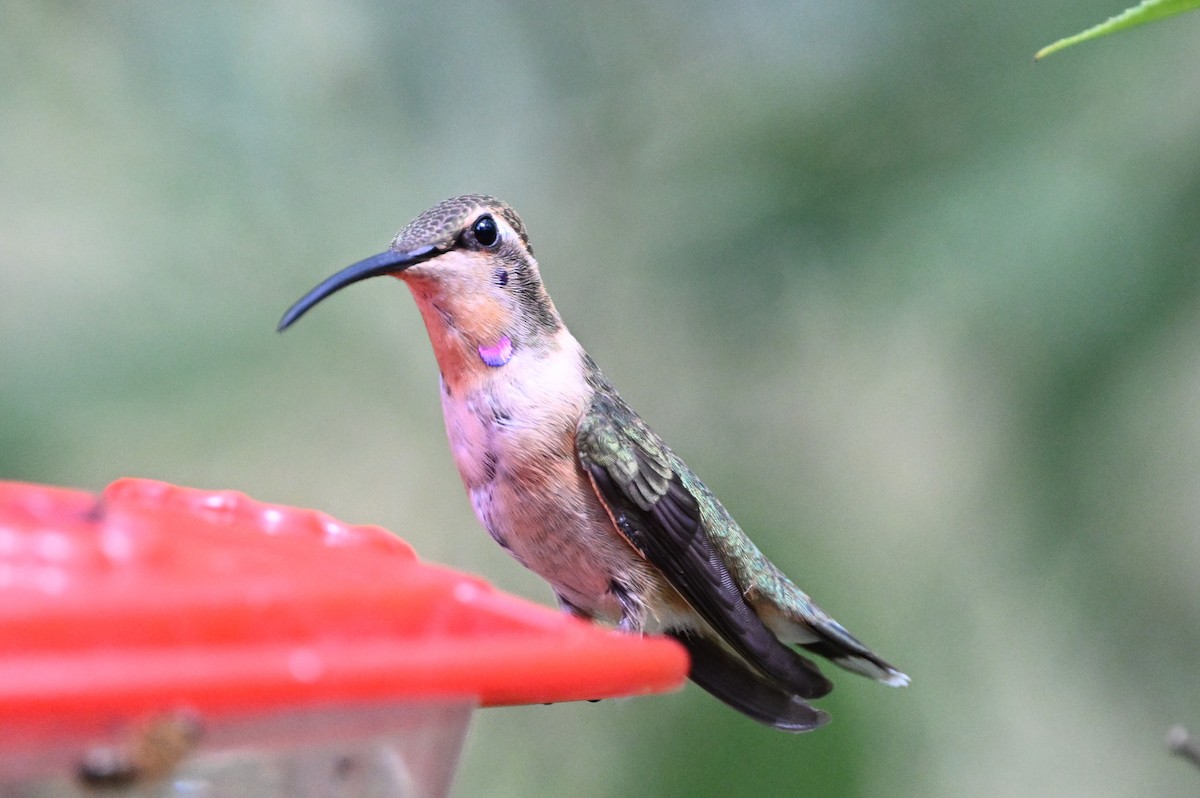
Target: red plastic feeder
(157, 632)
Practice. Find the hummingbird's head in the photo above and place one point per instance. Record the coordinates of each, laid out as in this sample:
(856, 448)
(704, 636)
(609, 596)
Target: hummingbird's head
(470, 266)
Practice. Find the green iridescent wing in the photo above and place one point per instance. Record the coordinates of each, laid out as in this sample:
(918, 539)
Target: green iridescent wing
(639, 481)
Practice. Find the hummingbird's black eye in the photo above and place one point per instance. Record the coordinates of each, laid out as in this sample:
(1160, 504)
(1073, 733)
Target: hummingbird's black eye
(485, 230)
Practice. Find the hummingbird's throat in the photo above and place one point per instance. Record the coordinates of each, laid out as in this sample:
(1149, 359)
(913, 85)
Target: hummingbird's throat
(471, 336)
(498, 354)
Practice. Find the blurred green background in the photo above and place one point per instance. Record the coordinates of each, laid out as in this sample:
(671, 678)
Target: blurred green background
(926, 317)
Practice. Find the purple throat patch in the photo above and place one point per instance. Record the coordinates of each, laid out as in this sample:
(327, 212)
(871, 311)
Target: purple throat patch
(498, 353)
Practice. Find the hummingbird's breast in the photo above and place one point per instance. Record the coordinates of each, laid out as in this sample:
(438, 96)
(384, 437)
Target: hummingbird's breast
(512, 435)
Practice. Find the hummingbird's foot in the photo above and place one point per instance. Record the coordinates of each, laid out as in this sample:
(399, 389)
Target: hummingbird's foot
(589, 700)
(633, 611)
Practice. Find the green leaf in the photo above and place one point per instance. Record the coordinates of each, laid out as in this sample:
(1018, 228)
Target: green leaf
(1146, 11)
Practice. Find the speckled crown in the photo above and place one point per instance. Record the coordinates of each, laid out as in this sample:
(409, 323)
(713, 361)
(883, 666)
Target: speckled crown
(443, 222)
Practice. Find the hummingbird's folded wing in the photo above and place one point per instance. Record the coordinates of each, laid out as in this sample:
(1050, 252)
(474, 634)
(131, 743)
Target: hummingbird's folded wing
(632, 473)
(725, 676)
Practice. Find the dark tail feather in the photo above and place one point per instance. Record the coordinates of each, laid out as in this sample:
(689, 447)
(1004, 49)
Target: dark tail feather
(848, 653)
(729, 679)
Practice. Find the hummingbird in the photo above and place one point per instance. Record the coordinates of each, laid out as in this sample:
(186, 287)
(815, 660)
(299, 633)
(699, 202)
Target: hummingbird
(567, 478)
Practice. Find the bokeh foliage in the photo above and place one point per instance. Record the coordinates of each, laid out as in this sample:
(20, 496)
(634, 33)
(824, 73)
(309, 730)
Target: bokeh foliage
(927, 317)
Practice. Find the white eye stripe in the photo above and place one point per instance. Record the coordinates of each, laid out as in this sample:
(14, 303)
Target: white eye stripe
(506, 233)
(503, 228)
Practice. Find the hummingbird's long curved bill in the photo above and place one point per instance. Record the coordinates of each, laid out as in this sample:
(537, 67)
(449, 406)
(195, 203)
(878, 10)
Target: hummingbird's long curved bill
(390, 262)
